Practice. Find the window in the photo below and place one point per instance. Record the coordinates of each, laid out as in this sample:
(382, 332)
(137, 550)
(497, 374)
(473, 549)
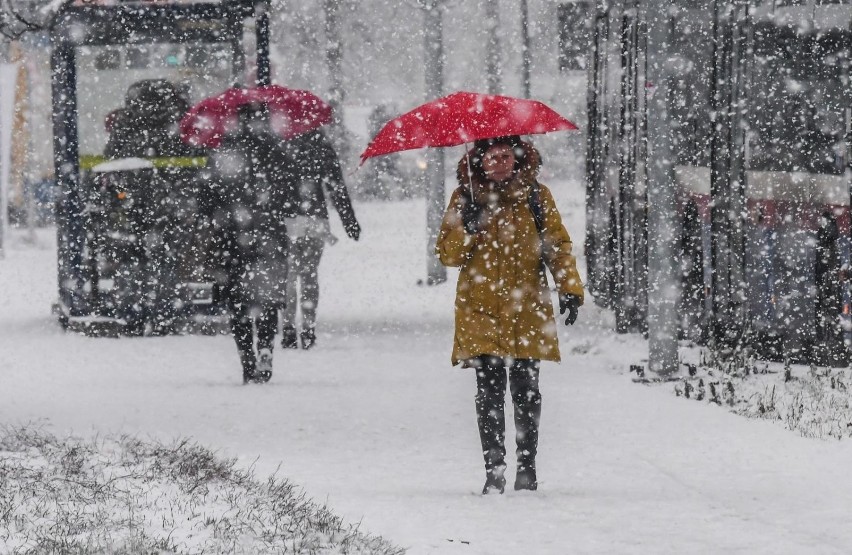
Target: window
(108, 58)
(138, 57)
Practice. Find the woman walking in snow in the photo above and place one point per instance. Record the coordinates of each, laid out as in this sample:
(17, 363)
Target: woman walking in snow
(502, 228)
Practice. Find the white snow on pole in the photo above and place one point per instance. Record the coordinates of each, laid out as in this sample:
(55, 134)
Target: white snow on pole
(8, 78)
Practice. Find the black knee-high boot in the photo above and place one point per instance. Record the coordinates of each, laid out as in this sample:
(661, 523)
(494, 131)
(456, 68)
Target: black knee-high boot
(526, 397)
(241, 327)
(490, 393)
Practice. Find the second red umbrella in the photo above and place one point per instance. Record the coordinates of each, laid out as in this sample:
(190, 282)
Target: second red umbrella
(464, 117)
(293, 112)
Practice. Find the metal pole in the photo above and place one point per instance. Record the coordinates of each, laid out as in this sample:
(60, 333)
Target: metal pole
(4, 208)
(623, 201)
(592, 154)
(596, 197)
(238, 60)
(525, 48)
(434, 65)
(663, 232)
(263, 76)
(736, 56)
(70, 230)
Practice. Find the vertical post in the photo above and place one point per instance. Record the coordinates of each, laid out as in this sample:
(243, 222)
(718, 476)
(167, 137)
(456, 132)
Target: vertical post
(264, 73)
(592, 132)
(27, 182)
(492, 56)
(238, 57)
(333, 53)
(596, 233)
(4, 207)
(434, 64)
(737, 56)
(847, 140)
(622, 246)
(718, 243)
(334, 65)
(663, 232)
(69, 209)
(7, 110)
(726, 191)
(526, 52)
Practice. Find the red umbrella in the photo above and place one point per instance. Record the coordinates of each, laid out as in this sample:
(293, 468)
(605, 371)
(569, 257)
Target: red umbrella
(464, 117)
(292, 112)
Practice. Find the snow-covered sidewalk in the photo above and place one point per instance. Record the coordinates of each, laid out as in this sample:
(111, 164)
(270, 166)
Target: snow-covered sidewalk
(375, 423)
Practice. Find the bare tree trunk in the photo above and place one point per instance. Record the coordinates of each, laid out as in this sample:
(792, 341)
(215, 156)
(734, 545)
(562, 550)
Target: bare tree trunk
(334, 62)
(492, 56)
(434, 65)
(663, 233)
(526, 51)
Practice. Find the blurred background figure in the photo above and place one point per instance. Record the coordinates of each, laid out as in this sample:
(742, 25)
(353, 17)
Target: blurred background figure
(147, 124)
(314, 169)
(383, 177)
(249, 187)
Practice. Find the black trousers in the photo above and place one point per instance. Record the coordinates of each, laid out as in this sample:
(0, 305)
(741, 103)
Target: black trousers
(491, 373)
(246, 321)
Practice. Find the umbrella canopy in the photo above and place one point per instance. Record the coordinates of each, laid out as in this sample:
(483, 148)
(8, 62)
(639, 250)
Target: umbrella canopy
(292, 112)
(464, 117)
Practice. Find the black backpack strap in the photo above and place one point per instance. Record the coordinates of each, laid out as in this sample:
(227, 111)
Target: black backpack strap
(534, 200)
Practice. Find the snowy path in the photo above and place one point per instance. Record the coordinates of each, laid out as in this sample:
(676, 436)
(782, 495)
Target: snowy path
(376, 423)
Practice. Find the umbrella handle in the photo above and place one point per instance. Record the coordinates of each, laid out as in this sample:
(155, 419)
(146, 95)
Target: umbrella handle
(469, 172)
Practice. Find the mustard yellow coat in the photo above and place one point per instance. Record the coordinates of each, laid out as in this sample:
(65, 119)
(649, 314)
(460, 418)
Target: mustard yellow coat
(503, 305)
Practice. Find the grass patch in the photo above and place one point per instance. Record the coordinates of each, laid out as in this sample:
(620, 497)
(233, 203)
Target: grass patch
(124, 495)
(814, 401)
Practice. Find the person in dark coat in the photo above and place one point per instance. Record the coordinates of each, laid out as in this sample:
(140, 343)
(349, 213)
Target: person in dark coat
(315, 170)
(250, 185)
(147, 125)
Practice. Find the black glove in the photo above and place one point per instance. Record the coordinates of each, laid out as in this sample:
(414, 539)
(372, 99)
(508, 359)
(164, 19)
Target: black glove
(353, 230)
(571, 303)
(470, 215)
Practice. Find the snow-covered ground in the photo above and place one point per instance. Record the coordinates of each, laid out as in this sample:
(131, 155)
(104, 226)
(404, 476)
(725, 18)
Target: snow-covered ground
(376, 423)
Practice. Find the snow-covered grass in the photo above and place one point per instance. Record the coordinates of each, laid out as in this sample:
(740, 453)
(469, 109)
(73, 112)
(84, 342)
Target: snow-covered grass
(125, 495)
(813, 401)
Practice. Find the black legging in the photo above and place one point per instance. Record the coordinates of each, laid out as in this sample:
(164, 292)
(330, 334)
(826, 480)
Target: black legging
(243, 327)
(303, 260)
(490, 394)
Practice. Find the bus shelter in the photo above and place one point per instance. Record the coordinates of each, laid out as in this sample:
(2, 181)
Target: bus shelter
(148, 59)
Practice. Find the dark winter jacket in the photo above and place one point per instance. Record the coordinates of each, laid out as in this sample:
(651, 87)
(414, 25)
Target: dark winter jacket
(315, 168)
(249, 190)
(130, 137)
(147, 125)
